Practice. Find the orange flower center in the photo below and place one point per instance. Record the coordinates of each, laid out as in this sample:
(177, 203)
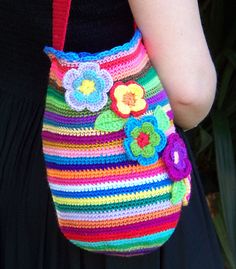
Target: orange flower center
(129, 99)
(143, 140)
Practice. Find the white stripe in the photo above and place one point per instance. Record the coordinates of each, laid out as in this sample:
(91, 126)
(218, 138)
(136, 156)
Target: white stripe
(115, 214)
(108, 185)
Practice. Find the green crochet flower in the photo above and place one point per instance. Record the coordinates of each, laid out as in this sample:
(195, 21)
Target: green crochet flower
(144, 140)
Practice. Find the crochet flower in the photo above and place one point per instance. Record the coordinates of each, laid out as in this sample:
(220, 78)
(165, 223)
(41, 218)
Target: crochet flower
(143, 140)
(87, 87)
(128, 98)
(176, 158)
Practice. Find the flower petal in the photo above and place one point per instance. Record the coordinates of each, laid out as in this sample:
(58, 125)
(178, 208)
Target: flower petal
(137, 90)
(89, 74)
(126, 144)
(94, 97)
(88, 66)
(140, 104)
(105, 75)
(148, 151)
(77, 83)
(135, 132)
(154, 139)
(73, 102)
(68, 79)
(123, 108)
(79, 96)
(98, 106)
(99, 84)
(147, 128)
(136, 150)
(120, 91)
(130, 125)
(148, 161)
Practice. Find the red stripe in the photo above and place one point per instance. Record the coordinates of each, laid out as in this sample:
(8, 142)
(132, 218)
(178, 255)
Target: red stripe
(121, 235)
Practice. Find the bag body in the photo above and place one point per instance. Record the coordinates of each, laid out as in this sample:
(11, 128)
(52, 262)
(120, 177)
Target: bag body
(117, 169)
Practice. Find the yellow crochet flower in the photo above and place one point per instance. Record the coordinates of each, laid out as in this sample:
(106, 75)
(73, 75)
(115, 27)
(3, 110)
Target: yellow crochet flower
(128, 98)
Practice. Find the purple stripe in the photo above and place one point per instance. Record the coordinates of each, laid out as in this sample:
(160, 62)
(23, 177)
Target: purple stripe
(126, 228)
(170, 114)
(89, 166)
(56, 117)
(128, 253)
(160, 96)
(73, 139)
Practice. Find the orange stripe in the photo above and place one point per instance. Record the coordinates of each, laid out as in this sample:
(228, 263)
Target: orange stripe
(104, 172)
(120, 221)
(82, 146)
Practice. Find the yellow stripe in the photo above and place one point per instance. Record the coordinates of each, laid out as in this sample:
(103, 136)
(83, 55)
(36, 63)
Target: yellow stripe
(72, 131)
(112, 199)
(111, 144)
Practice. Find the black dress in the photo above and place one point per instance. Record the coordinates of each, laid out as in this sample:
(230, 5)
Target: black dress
(29, 235)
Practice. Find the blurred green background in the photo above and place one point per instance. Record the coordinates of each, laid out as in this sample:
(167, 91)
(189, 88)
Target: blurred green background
(214, 140)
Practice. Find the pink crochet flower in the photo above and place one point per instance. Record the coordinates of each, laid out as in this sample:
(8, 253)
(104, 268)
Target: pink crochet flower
(176, 158)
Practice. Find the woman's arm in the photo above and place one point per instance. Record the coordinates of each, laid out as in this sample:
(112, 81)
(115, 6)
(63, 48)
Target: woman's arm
(177, 47)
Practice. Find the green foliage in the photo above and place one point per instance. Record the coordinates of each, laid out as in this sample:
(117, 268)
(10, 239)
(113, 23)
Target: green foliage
(215, 137)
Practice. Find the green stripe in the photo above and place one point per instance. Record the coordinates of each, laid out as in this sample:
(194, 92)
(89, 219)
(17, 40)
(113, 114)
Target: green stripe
(150, 74)
(106, 207)
(150, 80)
(121, 245)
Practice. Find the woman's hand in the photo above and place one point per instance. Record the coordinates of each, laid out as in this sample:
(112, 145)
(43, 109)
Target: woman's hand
(177, 47)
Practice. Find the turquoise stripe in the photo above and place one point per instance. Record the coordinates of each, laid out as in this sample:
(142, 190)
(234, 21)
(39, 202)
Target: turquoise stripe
(70, 125)
(86, 160)
(132, 241)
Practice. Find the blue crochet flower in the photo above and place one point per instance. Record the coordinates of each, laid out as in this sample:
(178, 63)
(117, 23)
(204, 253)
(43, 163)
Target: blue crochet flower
(144, 140)
(87, 87)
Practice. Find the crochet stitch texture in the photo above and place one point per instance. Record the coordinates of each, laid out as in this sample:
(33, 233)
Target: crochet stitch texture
(107, 198)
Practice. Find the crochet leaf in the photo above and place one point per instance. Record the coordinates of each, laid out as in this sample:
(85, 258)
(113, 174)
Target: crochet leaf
(109, 121)
(178, 191)
(162, 119)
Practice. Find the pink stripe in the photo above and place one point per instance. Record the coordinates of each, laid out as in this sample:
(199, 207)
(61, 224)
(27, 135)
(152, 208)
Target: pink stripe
(84, 153)
(128, 69)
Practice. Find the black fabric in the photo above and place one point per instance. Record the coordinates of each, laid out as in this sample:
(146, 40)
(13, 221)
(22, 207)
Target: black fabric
(29, 235)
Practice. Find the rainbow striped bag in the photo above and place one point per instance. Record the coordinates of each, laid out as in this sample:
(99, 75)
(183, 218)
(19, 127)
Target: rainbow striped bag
(118, 171)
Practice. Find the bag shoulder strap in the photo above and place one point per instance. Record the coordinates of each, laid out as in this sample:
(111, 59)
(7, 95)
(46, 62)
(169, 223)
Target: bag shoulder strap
(60, 15)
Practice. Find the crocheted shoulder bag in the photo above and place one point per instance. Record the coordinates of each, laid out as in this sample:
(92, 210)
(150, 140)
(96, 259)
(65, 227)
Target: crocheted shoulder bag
(117, 169)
